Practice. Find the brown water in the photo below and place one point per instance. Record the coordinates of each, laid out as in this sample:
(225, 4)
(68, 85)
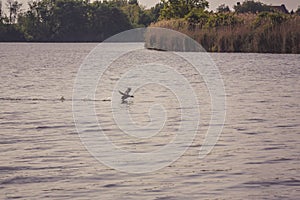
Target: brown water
(41, 155)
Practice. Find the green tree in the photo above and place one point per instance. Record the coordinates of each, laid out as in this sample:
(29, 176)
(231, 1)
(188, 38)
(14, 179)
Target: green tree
(155, 11)
(0, 11)
(223, 8)
(298, 11)
(38, 22)
(117, 3)
(146, 17)
(105, 20)
(72, 20)
(197, 16)
(13, 9)
(133, 12)
(136, 14)
(180, 8)
(133, 2)
(251, 6)
(9, 32)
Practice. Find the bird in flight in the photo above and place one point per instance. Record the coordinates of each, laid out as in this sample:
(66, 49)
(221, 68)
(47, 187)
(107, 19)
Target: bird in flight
(126, 94)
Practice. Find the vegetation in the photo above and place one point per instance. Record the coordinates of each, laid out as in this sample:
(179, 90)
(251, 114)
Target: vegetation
(252, 7)
(223, 8)
(71, 20)
(251, 27)
(181, 8)
(13, 8)
(298, 11)
(264, 33)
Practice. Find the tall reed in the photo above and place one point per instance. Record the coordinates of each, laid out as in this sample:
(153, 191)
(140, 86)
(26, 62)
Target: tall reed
(261, 33)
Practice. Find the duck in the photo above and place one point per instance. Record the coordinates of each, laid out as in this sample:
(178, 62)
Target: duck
(62, 98)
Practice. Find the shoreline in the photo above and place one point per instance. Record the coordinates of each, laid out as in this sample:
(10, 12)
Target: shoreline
(148, 48)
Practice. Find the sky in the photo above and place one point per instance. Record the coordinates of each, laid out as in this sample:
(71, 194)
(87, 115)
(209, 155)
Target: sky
(213, 4)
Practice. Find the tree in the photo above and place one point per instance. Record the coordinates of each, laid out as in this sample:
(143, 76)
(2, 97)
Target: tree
(223, 8)
(251, 6)
(155, 11)
(180, 8)
(70, 20)
(199, 4)
(133, 12)
(197, 16)
(298, 11)
(13, 9)
(0, 11)
(116, 3)
(105, 21)
(146, 17)
(133, 2)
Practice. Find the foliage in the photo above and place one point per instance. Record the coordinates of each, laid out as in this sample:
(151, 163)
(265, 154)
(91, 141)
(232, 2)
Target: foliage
(252, 28)
(271, 18)
(136, 15)
(133, 2)
(0, 11)
(10, 33)
(205, 19)
(76, 20)
(298, 11)
(181, 8)
(13, 9)
(197, 16)
(251, 6)
(71, 20)
(223, 8)
(116, 3)
(154, 12)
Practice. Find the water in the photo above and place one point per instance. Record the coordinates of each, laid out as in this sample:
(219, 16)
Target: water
(41, 155)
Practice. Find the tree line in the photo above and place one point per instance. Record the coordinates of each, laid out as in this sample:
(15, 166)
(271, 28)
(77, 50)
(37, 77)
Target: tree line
(250, 27)
(71, 20)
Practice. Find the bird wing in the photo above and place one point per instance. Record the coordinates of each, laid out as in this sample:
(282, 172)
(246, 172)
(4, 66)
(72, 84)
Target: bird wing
(122, 93)
(127, 91)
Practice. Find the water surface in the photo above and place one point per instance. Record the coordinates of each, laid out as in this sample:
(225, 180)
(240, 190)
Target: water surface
(41, 155)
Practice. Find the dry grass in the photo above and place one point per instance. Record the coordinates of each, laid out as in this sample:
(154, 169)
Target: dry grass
(264, 33)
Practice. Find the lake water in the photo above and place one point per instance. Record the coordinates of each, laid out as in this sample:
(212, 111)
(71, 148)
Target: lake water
(42, 157)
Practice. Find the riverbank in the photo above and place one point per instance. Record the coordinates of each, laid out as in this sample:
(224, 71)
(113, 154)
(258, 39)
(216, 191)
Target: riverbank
(229, 32)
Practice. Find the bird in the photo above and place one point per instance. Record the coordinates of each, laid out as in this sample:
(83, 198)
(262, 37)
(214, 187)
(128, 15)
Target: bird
(126, 94)
(62, 98)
